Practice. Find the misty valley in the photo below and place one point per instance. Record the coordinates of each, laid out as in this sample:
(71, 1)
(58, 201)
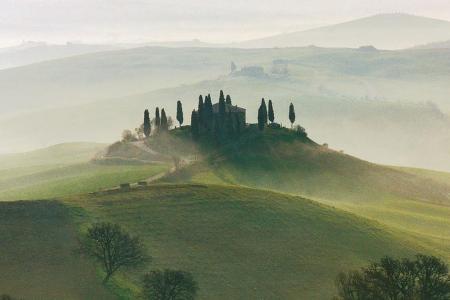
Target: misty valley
(304, 165)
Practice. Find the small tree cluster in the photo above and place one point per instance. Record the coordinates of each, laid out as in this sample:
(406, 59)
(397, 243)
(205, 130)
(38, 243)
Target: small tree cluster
(221, 125)
(424, 278)
(161, 122)
(128, 136)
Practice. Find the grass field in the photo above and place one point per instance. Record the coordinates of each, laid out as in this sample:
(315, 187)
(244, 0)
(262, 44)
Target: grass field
(242, 243)
(281, 160)
(64, 170)
(413, 201)
(74, 179)
(57, 155)
(223, 218)
(37, 256)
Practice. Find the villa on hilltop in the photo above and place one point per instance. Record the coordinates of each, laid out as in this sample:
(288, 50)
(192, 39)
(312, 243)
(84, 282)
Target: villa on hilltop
(236, 112)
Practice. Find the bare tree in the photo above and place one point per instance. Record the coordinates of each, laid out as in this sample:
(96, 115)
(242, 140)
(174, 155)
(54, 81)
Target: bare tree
(113, 248)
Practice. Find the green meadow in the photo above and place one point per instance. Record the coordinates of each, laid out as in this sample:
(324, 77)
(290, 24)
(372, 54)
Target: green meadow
(262, 216)
(63, 170)
(241, 243)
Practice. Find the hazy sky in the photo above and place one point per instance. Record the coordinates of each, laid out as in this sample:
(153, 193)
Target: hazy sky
(209, 20)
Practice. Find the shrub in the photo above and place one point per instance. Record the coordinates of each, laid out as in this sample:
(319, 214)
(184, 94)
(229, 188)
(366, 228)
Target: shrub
(169, 285)
(128, 136)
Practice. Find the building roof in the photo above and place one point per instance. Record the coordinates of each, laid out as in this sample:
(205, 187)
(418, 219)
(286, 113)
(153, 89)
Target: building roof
(228, 108)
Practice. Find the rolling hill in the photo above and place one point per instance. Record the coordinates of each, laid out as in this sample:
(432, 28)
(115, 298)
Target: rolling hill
(379, 129)
(81, 79)
(353, 73)
(242, 243)
(384, 31)
(66, 169)
(37, 255)
(35, 52)
(281, 160)
(384, 106)
(414, 202)
(435, 45)
(222, 219)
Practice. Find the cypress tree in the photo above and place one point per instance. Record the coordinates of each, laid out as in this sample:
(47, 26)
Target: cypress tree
(195, 128)
(291, 114)
(264, 111)
(222, 109)
(208, 113)
(147, 125)
(221, 96)
(228, 100)
(200, 111)
(157, 118)
(261, 118)
(164, 124)
(271, 114)
(180, 112)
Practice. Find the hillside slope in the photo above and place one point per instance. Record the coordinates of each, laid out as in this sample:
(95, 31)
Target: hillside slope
(385, 31)
(66, 169)
(242, 243)
(279, 159)
(413, 202)
(37, 255)
(60, 154)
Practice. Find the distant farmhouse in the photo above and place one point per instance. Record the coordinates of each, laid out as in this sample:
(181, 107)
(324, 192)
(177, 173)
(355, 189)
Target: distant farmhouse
(237, 113)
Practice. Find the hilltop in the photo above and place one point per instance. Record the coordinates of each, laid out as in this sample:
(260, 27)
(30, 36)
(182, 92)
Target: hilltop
(384, 31)
(383, 106)
(415, 202)
(279, 159)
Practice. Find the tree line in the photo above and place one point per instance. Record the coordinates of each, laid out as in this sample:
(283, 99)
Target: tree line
(222, 125)
(160, 122)
(267, 114)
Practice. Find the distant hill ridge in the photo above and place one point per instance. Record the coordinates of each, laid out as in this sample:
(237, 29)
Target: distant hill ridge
(384, 31)
(436, 45)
